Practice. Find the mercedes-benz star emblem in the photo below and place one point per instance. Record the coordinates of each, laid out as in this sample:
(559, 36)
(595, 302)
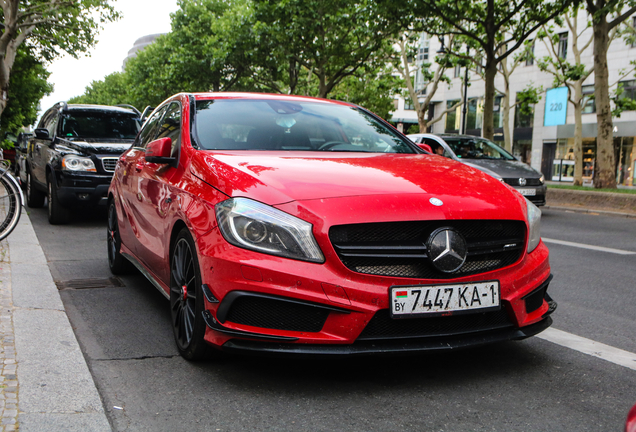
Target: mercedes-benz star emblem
(447, 249)
(522, 181)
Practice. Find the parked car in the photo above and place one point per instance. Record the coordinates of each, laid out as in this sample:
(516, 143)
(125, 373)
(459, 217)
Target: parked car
(72, 155)
(19, 167)
(490, 158)
(291, 225)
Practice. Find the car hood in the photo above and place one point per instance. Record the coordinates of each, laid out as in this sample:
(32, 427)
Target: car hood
(281, 177)
(89, 147)
(505, 168)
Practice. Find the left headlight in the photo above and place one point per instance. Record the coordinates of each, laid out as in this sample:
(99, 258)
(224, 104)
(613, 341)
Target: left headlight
(252, 225)
(77, 163)
(542, 179)
(534, 224)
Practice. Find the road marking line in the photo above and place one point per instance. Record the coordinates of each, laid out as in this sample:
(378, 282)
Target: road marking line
(590, 347)
(586, 246)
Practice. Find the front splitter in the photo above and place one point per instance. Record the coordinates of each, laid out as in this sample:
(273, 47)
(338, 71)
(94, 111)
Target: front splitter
(387, 347)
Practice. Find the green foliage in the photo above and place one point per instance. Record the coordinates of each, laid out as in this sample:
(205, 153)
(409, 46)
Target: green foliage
(622, 103)
(527, 99)
(332, 38)
(68, 26)
(112, 90)
(374, 93)
(318, 48)
(28, 84)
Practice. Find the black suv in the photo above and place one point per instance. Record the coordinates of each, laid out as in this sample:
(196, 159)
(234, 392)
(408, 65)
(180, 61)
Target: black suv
(72, 155)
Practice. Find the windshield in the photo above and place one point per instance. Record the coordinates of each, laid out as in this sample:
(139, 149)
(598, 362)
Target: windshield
(241, 124)
(91, 125)
(477, 148)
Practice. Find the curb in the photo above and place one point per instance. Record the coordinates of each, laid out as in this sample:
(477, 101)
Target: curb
(590, 211)
(56, 391)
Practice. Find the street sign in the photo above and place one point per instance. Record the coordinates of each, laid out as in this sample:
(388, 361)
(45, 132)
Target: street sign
(556, 106)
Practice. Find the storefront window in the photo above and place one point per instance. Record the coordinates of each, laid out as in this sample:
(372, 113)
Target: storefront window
(626, 161)
(453, 117)
(475, 112)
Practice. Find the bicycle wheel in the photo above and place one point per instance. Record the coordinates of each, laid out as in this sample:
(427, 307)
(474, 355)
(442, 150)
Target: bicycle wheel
(10, 205)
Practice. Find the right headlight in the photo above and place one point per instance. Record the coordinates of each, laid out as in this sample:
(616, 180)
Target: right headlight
(77, 163)
(534, 224)
(253, 225)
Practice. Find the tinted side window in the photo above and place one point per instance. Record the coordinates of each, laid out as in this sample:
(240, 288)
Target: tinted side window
(149, 130)
(170, 127)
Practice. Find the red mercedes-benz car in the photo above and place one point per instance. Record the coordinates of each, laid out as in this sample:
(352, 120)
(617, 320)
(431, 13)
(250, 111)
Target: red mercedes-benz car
(283, 224)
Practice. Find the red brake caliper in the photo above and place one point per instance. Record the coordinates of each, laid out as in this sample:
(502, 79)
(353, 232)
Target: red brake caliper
(184, 289)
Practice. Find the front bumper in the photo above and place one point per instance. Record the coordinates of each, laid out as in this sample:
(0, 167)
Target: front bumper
(261, 304)
(82, 189)
(538, 198)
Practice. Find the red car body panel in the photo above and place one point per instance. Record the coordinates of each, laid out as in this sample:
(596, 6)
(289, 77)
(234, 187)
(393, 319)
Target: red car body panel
(153, 201)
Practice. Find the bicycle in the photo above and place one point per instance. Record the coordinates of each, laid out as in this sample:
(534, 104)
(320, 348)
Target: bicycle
(11, 200)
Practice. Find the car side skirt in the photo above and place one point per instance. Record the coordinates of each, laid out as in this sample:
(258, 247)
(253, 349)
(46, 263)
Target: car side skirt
(146, 273)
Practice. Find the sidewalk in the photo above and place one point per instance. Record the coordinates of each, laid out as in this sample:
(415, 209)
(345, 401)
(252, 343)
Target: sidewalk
(45, 384)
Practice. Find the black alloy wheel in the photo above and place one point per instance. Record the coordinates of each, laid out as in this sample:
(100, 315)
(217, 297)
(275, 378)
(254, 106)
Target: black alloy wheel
(117, 263)
(186, 299)
(58, 214)
(34, 197)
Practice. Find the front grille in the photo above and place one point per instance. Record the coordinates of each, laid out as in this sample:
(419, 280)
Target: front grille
(382, 326)
(277, 314)
(109, 163)
(399, 249)
(529, 181)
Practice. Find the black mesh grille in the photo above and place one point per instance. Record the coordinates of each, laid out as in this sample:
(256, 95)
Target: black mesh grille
(276, 314)
(529, 181)
(398, 249)
(382, 326)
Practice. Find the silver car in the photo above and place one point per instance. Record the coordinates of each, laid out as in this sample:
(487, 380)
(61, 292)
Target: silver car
(487, 156)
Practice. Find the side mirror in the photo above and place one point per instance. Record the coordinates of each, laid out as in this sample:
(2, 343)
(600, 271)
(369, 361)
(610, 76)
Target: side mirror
(425, 147)
(158, 151)
(42, 133)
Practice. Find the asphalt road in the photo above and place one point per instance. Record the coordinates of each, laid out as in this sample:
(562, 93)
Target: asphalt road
(531, 385)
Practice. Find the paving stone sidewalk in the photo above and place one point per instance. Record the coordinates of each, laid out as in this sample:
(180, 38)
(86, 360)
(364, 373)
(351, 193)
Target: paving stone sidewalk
(45, 382)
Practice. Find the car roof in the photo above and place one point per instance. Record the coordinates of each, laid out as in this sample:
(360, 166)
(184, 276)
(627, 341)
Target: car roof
(102, 108)
(266, 96)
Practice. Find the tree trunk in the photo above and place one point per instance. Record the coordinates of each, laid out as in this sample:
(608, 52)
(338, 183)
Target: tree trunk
(604, 175)
(578, 133)
(487, 129)
(505, 109)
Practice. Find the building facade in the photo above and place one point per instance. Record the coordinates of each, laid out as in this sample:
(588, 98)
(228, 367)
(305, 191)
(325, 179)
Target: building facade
(549, 149)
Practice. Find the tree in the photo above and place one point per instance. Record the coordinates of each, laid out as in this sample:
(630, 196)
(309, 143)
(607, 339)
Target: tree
(112, 90)
(28, 84)
(48, 27)
(524, 100)
(496, 28)
(373, 92)
(330, 39)
(606, 16)
(431, 79)
(571, 75)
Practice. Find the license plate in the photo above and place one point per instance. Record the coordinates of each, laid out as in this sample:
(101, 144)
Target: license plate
(527, 192)
(453, 299)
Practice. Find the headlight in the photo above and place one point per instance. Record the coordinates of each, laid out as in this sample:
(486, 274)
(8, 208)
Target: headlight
(542, 179)
(77, 163)
(534, 223)
(252, 225)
